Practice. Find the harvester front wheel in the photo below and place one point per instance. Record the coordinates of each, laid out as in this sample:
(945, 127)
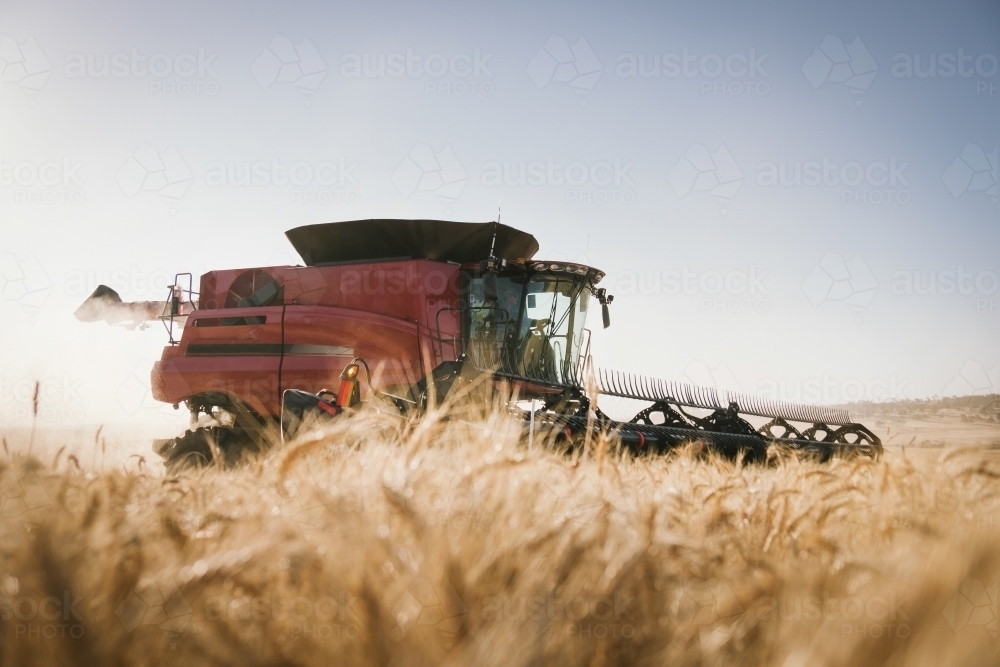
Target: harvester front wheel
(195, 448)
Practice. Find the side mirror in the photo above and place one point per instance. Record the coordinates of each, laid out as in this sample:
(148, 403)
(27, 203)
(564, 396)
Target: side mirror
(605, 298)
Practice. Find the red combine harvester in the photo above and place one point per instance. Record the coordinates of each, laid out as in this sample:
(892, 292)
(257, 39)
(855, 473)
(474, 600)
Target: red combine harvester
(432, 305)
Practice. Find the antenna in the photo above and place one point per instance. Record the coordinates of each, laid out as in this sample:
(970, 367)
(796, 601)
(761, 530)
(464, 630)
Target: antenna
(496, 225)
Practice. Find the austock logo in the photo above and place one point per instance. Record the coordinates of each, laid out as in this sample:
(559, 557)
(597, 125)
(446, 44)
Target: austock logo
(134, 393)
(149, 170)
(974, 170)
(23, 497)
(732, 291)
(574, 500)
(134, 282)
(330, 616)
(285, 62)
(833, 279)
(184, 74)
(58, 399)
(601, 182)
(715, 173)
(160, 605)
(558, 62)
(325, 182)
(708, 602)
(50, 182)
(23, 64)
(981, 285)
(733, 74)
(876, 182)
(424, 605)
(973, 605)
(859, 615)
(456, 74)
(32, 617)
(424, 170)
(23, 280)
(584, 616)
(946, 66)
(975, 379)
(835, 62)
(827, 389)
(718, 376)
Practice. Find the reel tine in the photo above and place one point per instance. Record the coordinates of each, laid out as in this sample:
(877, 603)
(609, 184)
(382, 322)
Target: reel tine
(630, 385)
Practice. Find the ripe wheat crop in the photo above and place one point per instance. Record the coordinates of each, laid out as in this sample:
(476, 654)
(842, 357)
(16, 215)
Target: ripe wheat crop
(448, 542)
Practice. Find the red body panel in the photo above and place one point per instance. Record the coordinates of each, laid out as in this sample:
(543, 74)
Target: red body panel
(400, 316)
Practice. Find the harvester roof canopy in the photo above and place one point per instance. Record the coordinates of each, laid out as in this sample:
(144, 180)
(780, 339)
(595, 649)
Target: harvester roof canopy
(440, 240)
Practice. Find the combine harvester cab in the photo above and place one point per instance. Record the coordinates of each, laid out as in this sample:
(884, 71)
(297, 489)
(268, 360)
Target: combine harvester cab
(430, 305)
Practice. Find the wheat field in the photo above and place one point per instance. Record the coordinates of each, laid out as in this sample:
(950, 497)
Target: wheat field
(445, 541)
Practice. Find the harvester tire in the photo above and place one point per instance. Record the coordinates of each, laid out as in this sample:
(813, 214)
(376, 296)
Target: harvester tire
(193, 449)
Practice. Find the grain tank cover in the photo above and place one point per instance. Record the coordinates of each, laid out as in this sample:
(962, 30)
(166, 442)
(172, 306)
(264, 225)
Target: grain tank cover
(439, 240)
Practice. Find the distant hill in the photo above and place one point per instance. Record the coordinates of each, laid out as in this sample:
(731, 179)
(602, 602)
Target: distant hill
(934, 422)
(984, 408)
